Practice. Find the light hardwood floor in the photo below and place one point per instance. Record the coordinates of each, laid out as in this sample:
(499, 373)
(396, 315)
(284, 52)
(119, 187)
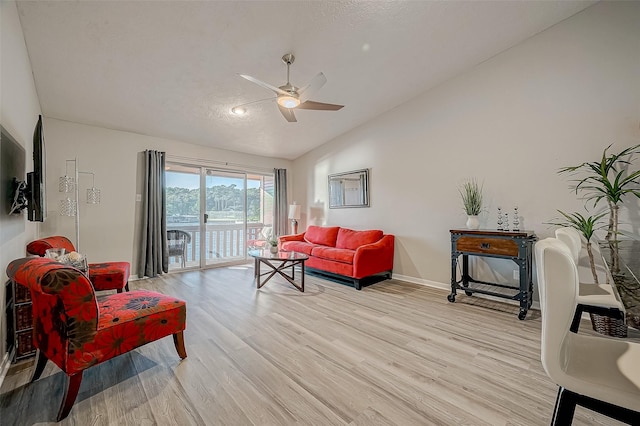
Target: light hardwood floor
(393, 353)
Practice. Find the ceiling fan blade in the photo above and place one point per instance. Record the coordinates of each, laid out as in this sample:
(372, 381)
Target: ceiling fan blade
(255, 102)
(314, 85)
(263, 84)
(288, 114)
(319, 106)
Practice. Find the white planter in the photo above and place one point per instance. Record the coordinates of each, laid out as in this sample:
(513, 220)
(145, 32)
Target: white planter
(273, 249)
(473, 222)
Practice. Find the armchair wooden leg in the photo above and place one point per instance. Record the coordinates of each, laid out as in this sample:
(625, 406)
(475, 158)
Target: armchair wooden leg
(125, 288)
(70, 394)
(178, 341)
(41, 362)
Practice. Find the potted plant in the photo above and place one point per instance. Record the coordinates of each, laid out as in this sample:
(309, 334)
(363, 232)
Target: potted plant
(471, 194)
(586, 226)
(609, 179)
(273, 244)
(605, 180)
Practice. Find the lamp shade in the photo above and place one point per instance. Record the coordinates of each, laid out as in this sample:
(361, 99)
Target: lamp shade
(294, 211)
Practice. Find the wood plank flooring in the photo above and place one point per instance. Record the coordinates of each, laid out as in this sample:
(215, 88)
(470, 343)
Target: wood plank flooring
(394, 353)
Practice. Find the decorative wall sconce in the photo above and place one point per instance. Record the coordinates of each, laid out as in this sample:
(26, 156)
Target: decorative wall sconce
(70, 184)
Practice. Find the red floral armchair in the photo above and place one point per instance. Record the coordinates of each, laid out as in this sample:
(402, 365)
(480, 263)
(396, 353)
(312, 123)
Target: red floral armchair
(103, 276)
(76, 330)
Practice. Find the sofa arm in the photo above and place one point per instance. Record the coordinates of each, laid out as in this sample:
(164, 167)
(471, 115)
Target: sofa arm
(285, 238)
(374, 258)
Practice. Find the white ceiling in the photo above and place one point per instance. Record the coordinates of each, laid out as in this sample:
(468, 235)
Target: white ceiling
(169, 69)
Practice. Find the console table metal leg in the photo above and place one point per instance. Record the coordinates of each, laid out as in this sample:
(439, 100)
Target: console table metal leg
(454, 276)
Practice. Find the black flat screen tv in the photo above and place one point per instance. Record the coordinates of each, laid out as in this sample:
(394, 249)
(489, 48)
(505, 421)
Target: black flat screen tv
(37, 205)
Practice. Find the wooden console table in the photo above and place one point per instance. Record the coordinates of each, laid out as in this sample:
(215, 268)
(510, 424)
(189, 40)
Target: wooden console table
(516, 245)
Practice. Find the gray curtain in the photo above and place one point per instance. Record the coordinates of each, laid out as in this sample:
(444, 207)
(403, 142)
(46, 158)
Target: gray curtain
(280, 210)
(153, 259)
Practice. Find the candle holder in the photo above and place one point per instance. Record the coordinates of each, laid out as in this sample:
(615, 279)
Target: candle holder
(516, 221)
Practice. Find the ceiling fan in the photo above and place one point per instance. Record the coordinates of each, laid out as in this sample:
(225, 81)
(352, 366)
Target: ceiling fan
(290, 97)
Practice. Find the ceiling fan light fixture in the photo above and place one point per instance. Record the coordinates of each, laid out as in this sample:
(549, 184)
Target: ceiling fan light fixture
(288, 101)
(238, 110)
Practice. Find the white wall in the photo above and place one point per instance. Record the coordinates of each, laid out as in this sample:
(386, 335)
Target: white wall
(109, 231)
(19, 109)
(557, 99)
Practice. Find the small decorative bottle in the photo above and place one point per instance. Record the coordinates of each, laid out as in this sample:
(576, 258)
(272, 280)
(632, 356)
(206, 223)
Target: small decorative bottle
(505, 226)
(516, 221)
(499, 219)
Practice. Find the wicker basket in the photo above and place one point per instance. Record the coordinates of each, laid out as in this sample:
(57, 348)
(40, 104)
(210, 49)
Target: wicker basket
(614, 327)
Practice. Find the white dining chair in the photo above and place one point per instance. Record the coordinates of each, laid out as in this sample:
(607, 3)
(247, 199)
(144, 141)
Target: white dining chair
(593, 298)
(599, 373)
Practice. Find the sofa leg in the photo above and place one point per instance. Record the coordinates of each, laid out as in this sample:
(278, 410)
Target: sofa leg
(70, 394)
(178, 341)
(41, 362)
(357, 285)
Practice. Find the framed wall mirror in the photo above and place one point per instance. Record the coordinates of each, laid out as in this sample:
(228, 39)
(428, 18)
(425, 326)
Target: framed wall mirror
(350, 189)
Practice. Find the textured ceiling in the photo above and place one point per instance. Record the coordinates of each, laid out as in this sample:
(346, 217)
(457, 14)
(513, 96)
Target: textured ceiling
(170, 69)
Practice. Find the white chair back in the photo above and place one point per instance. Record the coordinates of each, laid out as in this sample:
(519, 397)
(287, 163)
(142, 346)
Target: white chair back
(558, 287)
(572, 238)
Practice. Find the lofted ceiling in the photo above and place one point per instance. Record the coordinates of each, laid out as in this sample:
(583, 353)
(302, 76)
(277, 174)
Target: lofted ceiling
(170, 68)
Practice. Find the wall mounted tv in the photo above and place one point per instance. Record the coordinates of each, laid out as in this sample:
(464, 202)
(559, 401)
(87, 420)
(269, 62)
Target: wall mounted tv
(31, 195)
(37, 205)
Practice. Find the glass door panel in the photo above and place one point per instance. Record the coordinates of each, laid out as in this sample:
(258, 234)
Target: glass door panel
(183, 214)
(259, 210)
(225, 217)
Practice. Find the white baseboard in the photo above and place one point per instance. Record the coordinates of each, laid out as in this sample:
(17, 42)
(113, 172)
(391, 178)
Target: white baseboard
(4, 366)
(422, 281)
(447, 286)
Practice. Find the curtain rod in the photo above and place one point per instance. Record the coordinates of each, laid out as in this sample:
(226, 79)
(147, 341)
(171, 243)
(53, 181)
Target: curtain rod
(199, 161)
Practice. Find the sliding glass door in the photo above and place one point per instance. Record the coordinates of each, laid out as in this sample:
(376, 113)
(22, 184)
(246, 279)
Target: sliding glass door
(224, 213)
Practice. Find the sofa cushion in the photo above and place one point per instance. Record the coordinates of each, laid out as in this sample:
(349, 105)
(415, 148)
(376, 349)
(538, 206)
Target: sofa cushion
(339, 268)
(298, 246)
(323, 235)
(335, 254)
(350, 239)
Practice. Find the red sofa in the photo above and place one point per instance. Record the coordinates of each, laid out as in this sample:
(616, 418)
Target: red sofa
(343, 253)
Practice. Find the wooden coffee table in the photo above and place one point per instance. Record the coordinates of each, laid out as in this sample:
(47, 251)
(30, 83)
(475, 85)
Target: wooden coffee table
(279, 263)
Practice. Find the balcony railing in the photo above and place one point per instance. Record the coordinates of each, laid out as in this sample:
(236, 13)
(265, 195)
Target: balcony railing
(223, 242)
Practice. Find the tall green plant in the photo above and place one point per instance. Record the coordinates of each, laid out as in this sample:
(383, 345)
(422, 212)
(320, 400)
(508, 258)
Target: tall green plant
(586, 226)
(606, 180)
(471, 194)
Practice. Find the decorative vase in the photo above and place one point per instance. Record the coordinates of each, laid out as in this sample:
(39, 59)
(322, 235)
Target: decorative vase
(473, 222)
(273, 249)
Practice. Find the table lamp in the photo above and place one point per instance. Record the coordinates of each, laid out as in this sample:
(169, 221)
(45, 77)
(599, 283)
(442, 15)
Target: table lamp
(294, 215)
